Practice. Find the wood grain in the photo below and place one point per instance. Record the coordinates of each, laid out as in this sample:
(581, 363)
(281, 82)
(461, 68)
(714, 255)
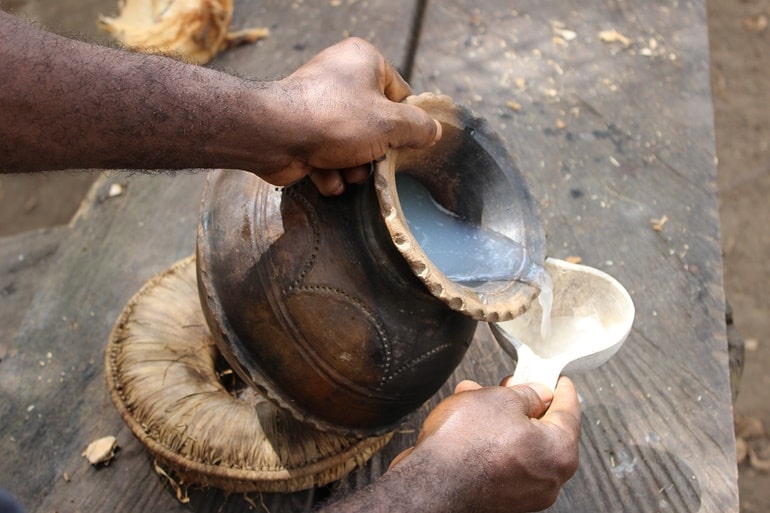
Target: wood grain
(611, 136)
(614, 137)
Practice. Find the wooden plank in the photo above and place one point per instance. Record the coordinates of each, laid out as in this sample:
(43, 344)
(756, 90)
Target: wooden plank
(612, 163)
(50, 411)
(302, 28)
(24, 260)
(614, 133)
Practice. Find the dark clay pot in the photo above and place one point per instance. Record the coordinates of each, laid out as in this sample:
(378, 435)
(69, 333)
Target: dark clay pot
(329, 306)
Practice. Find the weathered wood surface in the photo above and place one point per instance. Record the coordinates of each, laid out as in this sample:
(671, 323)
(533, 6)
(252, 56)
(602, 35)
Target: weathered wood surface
(611, 136)
(24, 260)
(614, 135)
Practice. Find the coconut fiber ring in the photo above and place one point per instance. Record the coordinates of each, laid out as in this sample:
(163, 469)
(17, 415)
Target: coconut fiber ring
(164, 376)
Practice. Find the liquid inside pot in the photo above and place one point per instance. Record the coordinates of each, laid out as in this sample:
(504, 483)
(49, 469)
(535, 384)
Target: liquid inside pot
(466, 252)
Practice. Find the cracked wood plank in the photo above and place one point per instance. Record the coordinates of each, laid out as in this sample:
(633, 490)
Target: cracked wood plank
(612, 134)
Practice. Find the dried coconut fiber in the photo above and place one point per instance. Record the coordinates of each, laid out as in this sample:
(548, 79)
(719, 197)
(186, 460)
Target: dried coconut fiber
(192, 30)
(165, 380)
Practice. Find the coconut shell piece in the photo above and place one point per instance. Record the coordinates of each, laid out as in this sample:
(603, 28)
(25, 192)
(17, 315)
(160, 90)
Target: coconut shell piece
(193, 30)
(168, 383)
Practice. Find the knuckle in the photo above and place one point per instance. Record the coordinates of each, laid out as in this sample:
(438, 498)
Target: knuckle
(567, 463)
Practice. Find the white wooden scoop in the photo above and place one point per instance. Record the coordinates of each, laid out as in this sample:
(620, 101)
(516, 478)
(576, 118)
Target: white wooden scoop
(591, 317)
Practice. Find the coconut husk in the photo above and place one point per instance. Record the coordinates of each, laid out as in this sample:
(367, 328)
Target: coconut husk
(167, 381)
(193, 30)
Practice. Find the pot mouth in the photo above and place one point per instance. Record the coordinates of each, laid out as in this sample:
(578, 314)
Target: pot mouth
(470, 174)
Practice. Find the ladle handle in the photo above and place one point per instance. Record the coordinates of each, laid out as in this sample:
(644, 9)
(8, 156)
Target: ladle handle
(531, 368)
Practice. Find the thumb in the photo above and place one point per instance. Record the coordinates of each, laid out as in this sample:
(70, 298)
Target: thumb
(413, 127)
(534, 399)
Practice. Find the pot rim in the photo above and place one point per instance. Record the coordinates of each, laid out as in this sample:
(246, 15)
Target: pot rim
(498, 305)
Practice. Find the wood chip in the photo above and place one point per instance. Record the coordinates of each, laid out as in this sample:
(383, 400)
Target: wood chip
(658, 224)
(513, 105)
(30, 204)
(756, 462)
(741, 450)
(756, 23)
(101, 451)
(567, 35)
(613, 36)
(116, 189)
(573, 259)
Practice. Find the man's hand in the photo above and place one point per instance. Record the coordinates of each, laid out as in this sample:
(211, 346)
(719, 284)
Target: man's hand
(346, 112)
(484, 449)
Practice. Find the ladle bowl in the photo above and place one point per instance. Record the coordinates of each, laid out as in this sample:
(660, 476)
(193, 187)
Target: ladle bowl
(591, 317)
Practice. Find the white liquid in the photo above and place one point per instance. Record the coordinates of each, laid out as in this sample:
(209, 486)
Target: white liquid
(468, 253)
(545, 298)
(463, 251)
(576, 336)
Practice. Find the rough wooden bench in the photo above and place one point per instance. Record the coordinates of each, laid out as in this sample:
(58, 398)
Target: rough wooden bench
(606, 106)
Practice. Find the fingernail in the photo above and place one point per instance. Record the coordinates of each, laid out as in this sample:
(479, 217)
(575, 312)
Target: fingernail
(543, 391)
(439, 132)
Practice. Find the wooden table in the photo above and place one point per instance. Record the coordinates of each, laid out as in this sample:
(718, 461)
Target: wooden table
(606, 106)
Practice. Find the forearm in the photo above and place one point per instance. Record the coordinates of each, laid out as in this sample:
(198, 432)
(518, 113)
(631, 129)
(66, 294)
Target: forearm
(105, 108)
(419, 484)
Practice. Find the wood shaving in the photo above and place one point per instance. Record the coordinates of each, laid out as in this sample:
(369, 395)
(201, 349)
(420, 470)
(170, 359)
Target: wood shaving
(30, 204)
(558, 41)
(613, 36)
(573, 259)
(741, 450)
(115, 190)
(513, 105)
(192, 30)
(658, 224)
(101, 451)
(756, 23)
(756, 462)
(566, 35)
